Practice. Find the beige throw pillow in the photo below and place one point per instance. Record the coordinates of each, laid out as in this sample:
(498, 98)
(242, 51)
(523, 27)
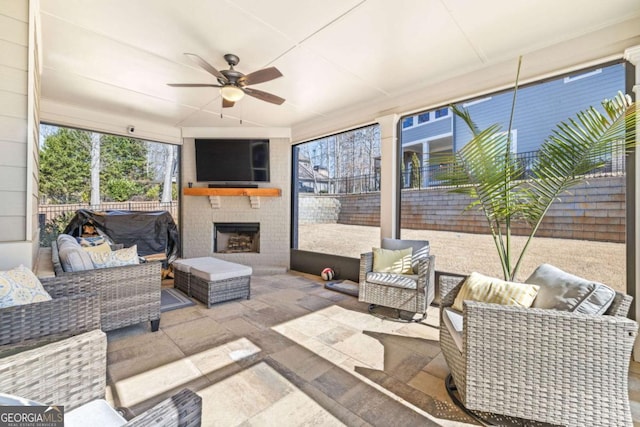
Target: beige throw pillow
(102, 248)
(478, 287)
(389, 261)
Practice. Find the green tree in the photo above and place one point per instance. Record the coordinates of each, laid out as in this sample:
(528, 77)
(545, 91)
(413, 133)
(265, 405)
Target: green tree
(121, 189)
(65, 163)
(124, 167)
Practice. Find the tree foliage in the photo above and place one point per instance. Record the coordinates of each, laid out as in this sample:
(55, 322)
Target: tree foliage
(125, 172)
(65, 163)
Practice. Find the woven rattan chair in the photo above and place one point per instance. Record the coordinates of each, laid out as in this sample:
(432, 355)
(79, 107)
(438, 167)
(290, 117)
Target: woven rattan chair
(73, 309)
(128, 295)
(546, 365)
(408, 294)
(72, 372)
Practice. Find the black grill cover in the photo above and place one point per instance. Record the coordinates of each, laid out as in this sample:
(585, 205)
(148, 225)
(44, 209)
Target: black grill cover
(154, 232)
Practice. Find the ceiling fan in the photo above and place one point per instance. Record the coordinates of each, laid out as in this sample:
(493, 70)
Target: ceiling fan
(232, 83)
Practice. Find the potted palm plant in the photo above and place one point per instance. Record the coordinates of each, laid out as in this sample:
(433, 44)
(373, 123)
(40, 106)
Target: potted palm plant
(486, 170)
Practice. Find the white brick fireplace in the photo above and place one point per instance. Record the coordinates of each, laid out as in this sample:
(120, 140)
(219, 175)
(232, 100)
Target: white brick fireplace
(273, 214)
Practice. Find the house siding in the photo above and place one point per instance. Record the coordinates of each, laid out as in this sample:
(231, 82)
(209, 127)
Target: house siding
(19, 94)
(539, 108)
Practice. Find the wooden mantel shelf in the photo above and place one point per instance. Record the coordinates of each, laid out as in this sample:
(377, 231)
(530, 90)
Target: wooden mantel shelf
(265, 192)
(215, 193)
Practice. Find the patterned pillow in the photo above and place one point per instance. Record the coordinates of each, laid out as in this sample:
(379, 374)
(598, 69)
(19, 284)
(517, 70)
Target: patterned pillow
(20, 286)
(91, 241)
(126, 256)
(103, 248)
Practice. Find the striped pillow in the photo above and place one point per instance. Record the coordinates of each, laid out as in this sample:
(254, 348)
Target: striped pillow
(491, 290)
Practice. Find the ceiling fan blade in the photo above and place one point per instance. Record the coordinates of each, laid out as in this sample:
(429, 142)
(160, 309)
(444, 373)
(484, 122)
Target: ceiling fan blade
(192, 85)
(261, 76)
(208, 67)
(227, 104)
(264, 96)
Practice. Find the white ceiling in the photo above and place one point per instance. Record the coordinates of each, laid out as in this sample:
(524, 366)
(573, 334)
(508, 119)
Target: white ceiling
(344, 61)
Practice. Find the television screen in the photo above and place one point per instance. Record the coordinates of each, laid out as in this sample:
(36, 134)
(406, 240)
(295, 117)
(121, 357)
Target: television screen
(232, 160)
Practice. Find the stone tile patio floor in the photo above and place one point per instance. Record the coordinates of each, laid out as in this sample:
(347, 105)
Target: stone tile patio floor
(294, 354)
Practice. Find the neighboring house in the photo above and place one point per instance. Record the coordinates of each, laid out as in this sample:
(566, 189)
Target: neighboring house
(312, 179)
(539, 108)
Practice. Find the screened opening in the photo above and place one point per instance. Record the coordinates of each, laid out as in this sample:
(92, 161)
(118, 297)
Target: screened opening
(583, 232)
(81, 169)
(337, 193)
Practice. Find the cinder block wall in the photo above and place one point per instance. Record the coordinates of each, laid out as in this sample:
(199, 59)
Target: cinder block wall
(317, 209)
(594, 210)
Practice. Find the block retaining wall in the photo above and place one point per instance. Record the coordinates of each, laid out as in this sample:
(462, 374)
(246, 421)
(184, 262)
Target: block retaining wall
(594, 210)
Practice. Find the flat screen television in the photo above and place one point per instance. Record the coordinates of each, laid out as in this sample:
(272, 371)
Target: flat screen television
(232, 160)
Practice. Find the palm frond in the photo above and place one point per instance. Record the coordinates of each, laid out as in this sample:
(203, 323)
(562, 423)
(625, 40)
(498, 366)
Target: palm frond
(577, 147)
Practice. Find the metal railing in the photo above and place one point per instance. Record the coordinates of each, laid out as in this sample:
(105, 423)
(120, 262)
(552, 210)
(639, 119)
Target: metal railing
(426, 176)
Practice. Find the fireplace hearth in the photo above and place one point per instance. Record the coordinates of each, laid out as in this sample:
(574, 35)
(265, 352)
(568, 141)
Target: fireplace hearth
(236, 237)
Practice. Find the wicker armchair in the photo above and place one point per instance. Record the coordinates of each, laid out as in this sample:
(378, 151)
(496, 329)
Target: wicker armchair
(546, 365)
(72, 372)
(128, 295)
(411, 294)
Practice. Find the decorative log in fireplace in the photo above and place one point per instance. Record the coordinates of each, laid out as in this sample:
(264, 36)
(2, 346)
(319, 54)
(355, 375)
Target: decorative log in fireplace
(236, 237)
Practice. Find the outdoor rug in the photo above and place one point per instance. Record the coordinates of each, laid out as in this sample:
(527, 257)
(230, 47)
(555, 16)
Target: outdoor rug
(173, 299)
(345, 286)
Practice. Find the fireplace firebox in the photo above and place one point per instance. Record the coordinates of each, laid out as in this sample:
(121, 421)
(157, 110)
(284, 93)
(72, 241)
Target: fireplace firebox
(236, 237)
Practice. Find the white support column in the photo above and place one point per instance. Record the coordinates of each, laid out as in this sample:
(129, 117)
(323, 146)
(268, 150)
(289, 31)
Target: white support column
(388, 175)
(633, 56)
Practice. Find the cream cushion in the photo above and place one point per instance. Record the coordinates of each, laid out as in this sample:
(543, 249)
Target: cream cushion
(215, 269)
(406, 281)
(392, 261)
(97, 413)
(478, 287)
(420, 249)
(454, 322)
(185, 265)
(20, 286)
(102, 248)
(119, 258)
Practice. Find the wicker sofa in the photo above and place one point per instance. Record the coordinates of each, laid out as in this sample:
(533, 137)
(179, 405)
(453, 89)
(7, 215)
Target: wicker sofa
(128, 294)
(73, 309)
(552, 366)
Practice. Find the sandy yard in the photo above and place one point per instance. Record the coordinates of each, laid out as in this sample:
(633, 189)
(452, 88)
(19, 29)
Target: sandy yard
(464, 253)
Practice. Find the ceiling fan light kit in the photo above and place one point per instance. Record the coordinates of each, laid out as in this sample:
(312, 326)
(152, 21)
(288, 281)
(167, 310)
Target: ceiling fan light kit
(232, 83)
(231, 93)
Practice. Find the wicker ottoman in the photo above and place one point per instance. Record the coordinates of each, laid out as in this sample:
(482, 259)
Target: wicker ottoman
(182, 272)
(212, 280)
